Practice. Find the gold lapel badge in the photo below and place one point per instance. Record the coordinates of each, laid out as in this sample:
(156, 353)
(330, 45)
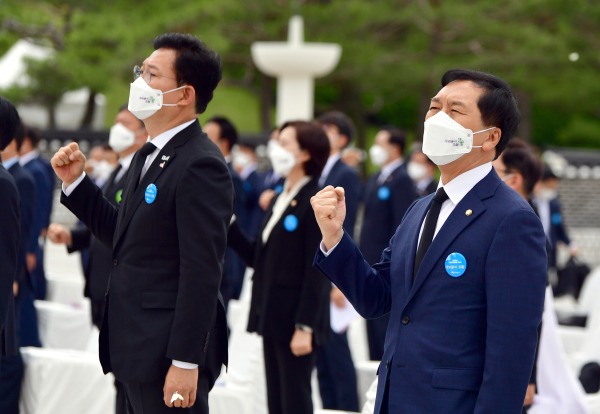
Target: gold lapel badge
(468, 212)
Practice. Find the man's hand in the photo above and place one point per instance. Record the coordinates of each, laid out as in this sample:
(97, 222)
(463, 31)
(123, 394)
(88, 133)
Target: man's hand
(183, 381)
(57, 233)
(68, 163)
(15, 288)
(31, 261)
(329, 206)
(529, 395)
(301, 343)
(337, 297)
(265, 198)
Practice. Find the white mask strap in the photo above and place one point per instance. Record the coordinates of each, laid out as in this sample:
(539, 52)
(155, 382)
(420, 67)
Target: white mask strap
(483, 130)
(172, 90)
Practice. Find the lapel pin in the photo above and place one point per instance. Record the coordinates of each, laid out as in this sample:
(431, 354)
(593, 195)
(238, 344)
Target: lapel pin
(293, 203)
(162, 164)
(165, 158)
(468, 212)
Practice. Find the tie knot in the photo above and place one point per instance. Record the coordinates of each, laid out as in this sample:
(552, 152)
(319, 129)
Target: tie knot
(147, 149)
(440, 195)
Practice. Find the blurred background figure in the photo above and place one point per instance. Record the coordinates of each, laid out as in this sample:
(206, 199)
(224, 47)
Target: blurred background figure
(422, 171)
(387, 195)
(290, 297)
(245, 163)
(353, 157)
(44, 177)
(223, 133)
(335, 368)
(101, 162)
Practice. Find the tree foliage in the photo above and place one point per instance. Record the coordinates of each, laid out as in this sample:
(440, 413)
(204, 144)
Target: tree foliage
(394, 51)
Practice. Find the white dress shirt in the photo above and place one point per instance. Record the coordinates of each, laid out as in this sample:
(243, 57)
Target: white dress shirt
(328, 167)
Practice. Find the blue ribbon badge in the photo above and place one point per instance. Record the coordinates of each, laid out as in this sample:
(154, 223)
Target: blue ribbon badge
(383, 193)
(290, 222)
(556, 219)
(150, 194)
(456, 264)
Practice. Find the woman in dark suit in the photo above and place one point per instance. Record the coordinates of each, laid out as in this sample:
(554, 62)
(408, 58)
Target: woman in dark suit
(290, 298)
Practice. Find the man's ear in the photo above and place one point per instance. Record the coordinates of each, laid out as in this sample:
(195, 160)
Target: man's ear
(188, 97)
(492, 140)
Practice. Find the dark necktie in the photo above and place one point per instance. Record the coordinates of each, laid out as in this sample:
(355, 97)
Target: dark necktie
(138, 164)
(429, 228)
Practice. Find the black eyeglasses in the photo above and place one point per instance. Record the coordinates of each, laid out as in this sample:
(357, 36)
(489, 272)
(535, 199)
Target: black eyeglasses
(146, 75)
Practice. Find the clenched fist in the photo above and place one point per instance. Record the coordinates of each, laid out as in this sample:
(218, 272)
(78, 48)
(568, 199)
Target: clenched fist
(329, 206)
(68, 163)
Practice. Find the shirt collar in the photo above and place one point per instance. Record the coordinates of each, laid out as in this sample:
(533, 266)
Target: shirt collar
(161, 140)
(461, 185)
(10, 162)
(30, 156)
(388, 169)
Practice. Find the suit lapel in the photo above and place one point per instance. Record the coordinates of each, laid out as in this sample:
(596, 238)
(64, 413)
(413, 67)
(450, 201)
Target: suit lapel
(160, 163)
(456, 223)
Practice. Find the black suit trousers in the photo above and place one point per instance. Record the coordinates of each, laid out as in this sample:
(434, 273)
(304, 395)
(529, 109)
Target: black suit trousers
(288, 378)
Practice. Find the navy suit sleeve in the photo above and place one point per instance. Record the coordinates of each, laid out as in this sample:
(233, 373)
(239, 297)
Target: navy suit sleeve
(366, 287)
(26, 187)
(9, 242)
(41, 211)
(515, 277)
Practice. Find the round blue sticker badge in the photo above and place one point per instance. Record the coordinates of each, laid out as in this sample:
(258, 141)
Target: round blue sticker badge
(383, 193)
(290, 222)
(556, 219)
(278, 189)
(456, 264)
(150, 194)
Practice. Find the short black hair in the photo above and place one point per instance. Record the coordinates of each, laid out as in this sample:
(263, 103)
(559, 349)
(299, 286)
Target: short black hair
(20, 135)
(9, 122)
(312, 138)
(34, 135)
(195, 65)
(498, 105)
(227, 130)
(522, 160)
(397, 137)
(341, 121)
(548, 174)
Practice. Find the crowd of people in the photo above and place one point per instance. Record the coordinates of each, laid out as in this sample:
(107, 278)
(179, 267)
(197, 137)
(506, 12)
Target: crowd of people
(453, 303)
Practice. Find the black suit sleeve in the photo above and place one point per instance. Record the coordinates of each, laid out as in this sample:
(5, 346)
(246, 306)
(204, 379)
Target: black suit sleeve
(204, 205)
(80, 239)
(237, 240)
(88, 203)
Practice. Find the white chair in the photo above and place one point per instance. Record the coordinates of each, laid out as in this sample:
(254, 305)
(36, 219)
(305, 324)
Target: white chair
(64, 326)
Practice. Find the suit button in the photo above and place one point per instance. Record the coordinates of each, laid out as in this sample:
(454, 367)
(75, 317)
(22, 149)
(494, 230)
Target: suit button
(115, 262)
(387, 364)
(405, 320)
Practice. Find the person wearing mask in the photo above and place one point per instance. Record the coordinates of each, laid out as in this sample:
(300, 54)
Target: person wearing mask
(422, 171)
(164, 331)
(335, 368)
(40, 169)
(10, 216)
(464, 319)
(223, 133)
(290, 298)
(246, 165)
(387, 195)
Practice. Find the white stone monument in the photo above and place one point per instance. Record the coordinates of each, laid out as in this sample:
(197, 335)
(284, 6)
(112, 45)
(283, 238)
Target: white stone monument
(295, 64)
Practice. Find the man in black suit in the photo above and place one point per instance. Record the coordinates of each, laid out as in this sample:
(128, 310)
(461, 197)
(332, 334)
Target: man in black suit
(10, 234)
(223, 133)
(387, 195)
(44, 177)
(164, 333)
(336, 373)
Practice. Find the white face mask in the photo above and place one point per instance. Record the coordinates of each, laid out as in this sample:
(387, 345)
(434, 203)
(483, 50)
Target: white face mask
(378, 155)
(547, 194)
(102, 170)
(120, 137)
(241, 160)
(445, 140)
(282, 160)
(416, 170)
(145, 101)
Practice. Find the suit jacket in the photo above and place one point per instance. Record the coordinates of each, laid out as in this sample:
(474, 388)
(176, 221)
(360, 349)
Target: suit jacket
(27, 192)
(253, 186)
(41, 214)
(558, 231)
(99, 264)
(9, 246)
(454, 344)
(384, 206)
(343, 176)
(286, 290)
(162, 300)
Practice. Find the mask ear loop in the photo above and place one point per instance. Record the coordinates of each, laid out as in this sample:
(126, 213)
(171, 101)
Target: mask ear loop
(478, 132)
(172, 90)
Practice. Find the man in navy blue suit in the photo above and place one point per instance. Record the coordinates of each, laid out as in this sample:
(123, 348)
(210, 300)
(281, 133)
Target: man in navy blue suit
(336, 373)
(223, 133)
(463, 277)
(42, 173)
(387, 195)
